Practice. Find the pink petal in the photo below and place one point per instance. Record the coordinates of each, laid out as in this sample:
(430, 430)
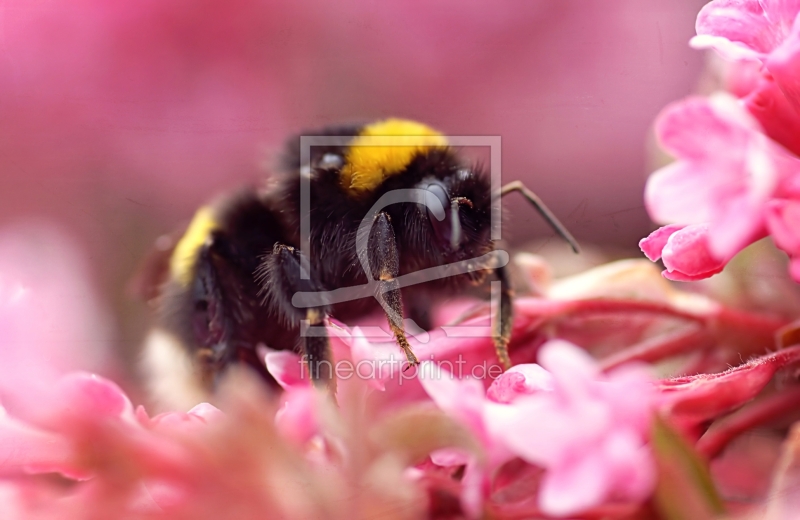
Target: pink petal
(464, 398)
(740, 223)
(50, 320)
(374, 362)
(632, 466)
(725, 172)
(782, 13)
(176, 422)
(297, 418)
(474, 489)
(449, 457)
(680, 193)
(155, 497)
(524, 379)
(784, 65)
(741, 29)
(575, 487)
(686, 255)
(783, 221)
(26, 449)
(626, 381)
(567, 363)
(546, 431)
(780, 120)
(286, 367)
(653, 245)
(763, 30)
(207, 412)
(198, 417)
(696, 128)
(93, 395)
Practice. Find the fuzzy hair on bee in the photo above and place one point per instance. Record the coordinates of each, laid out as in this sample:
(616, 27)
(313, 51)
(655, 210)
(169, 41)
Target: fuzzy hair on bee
(227, 284)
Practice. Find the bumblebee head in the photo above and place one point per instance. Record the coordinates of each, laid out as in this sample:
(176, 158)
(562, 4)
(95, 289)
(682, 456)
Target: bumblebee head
(456, 217)
(451, 219)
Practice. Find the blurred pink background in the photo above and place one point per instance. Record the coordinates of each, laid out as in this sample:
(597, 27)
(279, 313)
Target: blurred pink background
(119, 118)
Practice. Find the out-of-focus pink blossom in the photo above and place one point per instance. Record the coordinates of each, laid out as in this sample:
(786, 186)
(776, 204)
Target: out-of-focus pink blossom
(197, 417)
(298, 417)
(27, 449)
(725, 173)
(589, 432)
(684, 251)
(50, 319)
(766, 31)
(518, 381)
(554, 438)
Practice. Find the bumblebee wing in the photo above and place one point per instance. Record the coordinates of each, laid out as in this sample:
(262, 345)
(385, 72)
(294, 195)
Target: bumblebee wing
(153, 271)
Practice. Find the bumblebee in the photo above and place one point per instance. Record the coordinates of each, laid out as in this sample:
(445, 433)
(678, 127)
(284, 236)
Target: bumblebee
(375, 212)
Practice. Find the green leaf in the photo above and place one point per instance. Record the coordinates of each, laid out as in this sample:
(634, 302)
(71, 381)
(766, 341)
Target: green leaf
(416, 431)
(685, 489)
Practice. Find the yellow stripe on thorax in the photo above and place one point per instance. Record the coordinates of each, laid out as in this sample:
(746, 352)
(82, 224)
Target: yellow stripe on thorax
(384, 149)
(184, 257)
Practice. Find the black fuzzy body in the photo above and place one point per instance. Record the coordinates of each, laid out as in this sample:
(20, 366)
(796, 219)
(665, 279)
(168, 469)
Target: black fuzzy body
(220, 317)
(245, 274)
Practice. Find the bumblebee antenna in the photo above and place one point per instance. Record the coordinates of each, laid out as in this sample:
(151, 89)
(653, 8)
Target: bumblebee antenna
(543, 210)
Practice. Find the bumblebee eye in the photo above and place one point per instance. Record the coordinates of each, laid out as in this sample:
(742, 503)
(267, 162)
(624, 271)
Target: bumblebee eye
(442, 224)
(331, 161)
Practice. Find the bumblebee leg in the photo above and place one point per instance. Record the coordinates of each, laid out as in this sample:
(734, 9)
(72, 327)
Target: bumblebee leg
(210, 324)
(504, 318)
(317, 350)
(385, 264)
(280, 278)
(543, 210)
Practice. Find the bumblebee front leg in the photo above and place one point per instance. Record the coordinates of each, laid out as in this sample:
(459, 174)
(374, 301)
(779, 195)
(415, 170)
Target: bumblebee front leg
(384, 261)
(280, 279)
(504, 318)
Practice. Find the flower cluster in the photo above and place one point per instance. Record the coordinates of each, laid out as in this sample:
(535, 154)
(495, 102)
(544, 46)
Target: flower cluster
(569, 431)
(736, 178)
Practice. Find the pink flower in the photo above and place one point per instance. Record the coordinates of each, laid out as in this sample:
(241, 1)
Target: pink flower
(726, 171)
(51, 321)
(751, 33)
(745, 29)
(587, 430)
(466, 400)
(684, 251)
(763, 30)
(590, 432)
(717, 192)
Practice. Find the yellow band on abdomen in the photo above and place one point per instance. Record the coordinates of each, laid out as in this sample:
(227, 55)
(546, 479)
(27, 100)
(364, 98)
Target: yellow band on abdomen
(184, 257)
